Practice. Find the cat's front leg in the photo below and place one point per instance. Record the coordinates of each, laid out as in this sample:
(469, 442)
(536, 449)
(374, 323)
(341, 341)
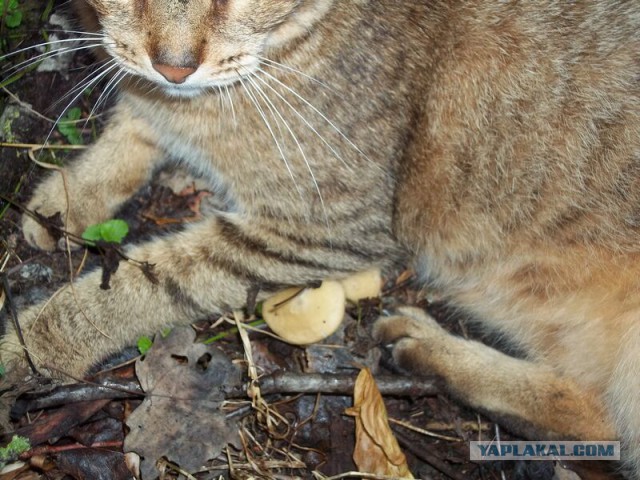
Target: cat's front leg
(92, 188)
(213, 266)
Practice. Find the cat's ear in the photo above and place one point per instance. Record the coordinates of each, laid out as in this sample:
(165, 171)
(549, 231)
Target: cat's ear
(88, 15)
(100, 7)
(105, 7)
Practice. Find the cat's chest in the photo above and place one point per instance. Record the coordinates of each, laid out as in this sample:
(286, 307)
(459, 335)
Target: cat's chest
(258, 156)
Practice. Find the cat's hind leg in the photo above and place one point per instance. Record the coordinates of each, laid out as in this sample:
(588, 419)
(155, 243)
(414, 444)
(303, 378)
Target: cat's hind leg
(529, 395)
(623, 395)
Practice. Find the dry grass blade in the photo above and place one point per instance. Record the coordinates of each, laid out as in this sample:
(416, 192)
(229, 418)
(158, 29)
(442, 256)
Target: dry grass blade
(368, 476)
(40, 146)
(423, 431)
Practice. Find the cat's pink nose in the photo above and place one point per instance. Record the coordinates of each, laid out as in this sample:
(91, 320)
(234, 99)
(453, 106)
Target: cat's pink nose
(174, 74)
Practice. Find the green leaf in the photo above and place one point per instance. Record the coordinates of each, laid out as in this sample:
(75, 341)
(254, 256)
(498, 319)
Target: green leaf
(111, 231)
(68, 126)
(13, 19)
(92, 233)
(114, 231)
(3, 370)
(144, 344)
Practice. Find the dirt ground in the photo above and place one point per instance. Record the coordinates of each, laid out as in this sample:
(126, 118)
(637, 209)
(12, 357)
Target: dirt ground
(322, 436)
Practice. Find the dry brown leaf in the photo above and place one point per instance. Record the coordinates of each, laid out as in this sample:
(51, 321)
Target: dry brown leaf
(180, 418)
(377, 450)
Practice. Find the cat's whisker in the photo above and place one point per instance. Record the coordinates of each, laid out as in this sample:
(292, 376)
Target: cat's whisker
(233, 110)
(315, 109)
(307, 123)
(105, 94)
(15, 69)
(106, 69)
(282, 67)
(256, 104)
(271, 108)
(90, 80)
(108, 66)
(77, 32)
(298, 145)
(45, 44)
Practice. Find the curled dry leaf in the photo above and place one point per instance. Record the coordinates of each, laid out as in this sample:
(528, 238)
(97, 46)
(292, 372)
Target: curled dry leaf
(180, 418)
(377, 450)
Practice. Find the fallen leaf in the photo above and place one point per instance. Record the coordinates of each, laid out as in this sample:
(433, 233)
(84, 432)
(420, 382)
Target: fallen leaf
(58, 423)
(90, 464)
(377, 451)
(180, 418)
(170, 208)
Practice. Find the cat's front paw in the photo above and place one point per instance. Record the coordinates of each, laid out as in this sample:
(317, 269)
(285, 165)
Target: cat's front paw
(56, 205)
(60, 336)
(12, 357)
(415, 338)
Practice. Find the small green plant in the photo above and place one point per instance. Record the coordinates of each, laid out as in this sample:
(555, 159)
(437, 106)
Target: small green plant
(68, 126)
(17, 446)
(11, 12)
(47, 12)
(111, 231)
(144, 344)
(232, 331)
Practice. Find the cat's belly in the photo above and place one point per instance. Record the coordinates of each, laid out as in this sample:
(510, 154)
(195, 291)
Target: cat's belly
(545, 308)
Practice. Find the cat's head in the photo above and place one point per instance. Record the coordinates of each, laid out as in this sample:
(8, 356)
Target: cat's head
(188, 47)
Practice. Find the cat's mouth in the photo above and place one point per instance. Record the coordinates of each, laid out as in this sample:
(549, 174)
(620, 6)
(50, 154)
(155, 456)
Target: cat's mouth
(191, 81)
(199, 88)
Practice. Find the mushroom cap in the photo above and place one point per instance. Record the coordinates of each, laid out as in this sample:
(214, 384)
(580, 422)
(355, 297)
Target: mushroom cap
(367, 284)
(308, 315)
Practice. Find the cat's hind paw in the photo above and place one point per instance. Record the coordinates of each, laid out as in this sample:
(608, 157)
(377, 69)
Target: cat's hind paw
(414, 337)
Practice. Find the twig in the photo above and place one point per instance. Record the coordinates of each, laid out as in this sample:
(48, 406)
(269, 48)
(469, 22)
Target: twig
(16, 323)
(49, 449)
(146, 267)
(281, 382)
(82, 392)
(285, 382)
(432, 460)
(26, 106)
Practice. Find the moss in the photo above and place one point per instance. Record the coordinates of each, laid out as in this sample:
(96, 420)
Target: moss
(8, 117)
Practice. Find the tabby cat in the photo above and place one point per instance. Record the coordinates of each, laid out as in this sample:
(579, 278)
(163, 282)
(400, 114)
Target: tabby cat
(496, 144)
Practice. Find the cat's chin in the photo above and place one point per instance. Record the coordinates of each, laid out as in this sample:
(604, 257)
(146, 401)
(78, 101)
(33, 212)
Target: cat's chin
(191, 91)
(184, 92)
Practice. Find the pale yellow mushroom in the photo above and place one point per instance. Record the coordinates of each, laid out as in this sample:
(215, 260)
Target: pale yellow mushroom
(304, 316)
(362, 285)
